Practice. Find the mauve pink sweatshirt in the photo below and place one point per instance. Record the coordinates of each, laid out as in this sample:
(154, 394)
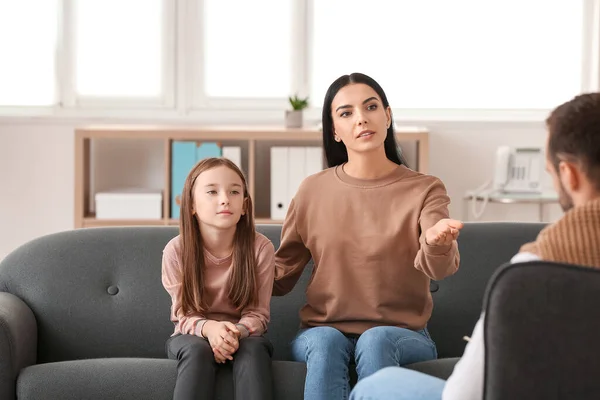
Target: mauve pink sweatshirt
(216, 275)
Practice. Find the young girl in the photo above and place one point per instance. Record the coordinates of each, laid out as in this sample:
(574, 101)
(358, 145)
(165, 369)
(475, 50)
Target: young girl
(219, 274)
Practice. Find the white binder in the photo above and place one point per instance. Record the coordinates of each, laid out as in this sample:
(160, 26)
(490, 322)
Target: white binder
(233, 153)
(314, 160)
(296, 170)
(289, 167)
(279, 182)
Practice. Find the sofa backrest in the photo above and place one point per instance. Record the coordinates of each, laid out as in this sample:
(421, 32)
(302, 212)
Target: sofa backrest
(94, 292)
(98, 293)
(458, 299)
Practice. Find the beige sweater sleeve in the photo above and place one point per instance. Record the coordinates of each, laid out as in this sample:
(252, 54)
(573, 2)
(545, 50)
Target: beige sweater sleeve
(291, 256)
(437, 262)
(255, 318)
(190, 324)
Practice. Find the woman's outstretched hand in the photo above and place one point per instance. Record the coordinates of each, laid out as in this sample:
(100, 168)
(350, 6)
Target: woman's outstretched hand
(444, 232)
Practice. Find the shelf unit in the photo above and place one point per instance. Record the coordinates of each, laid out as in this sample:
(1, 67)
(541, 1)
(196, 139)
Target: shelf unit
(253, 139)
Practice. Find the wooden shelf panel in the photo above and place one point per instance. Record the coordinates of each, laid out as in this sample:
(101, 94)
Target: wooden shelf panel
(267, 221)
(256, 221)
(256, 138)
(92, 222)
(222, 133)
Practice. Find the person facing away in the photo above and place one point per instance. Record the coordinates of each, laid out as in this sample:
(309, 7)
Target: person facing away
(219, 273)
(573, 161)
(378, 232)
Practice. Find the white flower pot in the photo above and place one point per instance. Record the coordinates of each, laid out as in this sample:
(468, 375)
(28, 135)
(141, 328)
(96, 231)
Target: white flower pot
(293, 119)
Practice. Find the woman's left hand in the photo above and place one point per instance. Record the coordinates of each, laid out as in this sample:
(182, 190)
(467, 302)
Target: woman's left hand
(444, 232)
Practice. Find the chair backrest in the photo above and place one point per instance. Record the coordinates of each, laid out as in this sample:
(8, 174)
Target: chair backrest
(458, 299)
(541, 332)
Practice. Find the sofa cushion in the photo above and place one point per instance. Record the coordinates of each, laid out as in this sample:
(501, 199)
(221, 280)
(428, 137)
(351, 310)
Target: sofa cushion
(135, 378)
(108, 378)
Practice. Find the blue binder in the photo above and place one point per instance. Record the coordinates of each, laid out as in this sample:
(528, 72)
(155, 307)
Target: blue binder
(184, 156)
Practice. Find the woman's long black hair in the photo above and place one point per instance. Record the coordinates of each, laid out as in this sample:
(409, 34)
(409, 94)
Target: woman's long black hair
(336, 152)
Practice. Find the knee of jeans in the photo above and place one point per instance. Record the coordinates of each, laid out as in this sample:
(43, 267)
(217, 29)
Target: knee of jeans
(323, 340)
(413, 350)
(388, 374)
(376, 386)
(373, 336)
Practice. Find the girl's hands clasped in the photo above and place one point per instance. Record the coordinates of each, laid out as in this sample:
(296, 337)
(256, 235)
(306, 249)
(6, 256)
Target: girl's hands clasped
(223, 337)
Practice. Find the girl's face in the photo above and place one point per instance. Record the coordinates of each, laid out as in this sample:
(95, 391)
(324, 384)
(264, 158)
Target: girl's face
(219, 198)
(360, 120)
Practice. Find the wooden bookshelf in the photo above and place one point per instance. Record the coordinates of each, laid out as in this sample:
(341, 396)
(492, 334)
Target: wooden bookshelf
(254, 138)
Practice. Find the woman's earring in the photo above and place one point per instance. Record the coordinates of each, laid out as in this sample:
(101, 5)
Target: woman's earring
(336, 138)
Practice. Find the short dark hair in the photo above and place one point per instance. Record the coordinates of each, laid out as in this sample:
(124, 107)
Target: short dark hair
(336, 152)
(574, 134)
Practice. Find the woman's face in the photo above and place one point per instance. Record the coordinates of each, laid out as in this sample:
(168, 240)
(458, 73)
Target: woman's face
(360, 119)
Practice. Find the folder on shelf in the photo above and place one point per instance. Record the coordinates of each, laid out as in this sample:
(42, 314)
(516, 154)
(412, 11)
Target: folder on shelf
(184, 156)
(289, 167)
(279, 178)
(313, 160)
(183, 159)
(208, 150)
(233, 153)
(296, 171)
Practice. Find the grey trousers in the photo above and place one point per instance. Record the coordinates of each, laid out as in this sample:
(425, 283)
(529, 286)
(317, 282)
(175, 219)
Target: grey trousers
(252, 376)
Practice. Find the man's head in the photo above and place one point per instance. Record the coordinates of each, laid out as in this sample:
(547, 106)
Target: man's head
(573, 150)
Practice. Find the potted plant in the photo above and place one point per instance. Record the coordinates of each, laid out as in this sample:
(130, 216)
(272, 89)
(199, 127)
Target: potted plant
(293, 117)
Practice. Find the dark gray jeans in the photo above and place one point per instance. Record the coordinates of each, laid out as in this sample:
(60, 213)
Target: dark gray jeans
(252, 377)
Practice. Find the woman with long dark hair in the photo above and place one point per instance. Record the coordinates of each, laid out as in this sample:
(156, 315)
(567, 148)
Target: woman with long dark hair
(378, 232)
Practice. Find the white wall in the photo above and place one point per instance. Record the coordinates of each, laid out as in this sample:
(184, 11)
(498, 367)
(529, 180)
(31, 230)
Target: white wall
(36, 182)
(37, 172)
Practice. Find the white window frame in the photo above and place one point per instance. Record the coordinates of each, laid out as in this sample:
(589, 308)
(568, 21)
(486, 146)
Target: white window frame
(67, 94)
(200, 100)
(590, 81)
(184, 100)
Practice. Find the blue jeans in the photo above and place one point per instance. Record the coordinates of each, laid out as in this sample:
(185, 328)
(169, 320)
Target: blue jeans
(327, 353)
(398, 384)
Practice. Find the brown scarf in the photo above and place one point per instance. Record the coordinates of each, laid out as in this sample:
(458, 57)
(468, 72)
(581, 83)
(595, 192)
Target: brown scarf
(574, 239)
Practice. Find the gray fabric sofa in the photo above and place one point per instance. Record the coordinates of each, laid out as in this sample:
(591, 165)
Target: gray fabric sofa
(83, 314)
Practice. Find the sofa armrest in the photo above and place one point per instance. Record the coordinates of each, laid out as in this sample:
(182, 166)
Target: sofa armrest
(18, 341)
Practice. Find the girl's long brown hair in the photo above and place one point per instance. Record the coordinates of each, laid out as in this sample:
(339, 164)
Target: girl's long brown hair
(242, 280)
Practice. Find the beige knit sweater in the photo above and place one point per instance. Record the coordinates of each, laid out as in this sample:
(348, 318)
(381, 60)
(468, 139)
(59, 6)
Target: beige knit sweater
(574, 239)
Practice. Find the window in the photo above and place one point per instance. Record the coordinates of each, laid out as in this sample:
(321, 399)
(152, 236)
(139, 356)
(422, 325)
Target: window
(204, 59)
(468, 54)
(28, 46)
(119, 48)
(247, 48)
